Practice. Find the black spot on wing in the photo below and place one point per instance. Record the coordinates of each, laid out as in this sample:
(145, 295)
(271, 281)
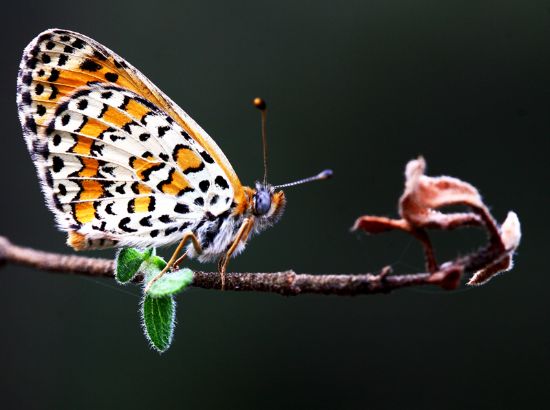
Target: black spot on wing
(109, 209)
(122, 63)
(123, 225)
(184, 226)
(27, 79)
(31, 63)
(62, 60)
(31, 124)
(204, 185)
(127, 126)
(170, 231)
(54, 75)
(221, 182)
(162, 130)
(120, 189)
(40, 109)
(181, 208)
(186, 135)
(49, 181)
(90, 65)
(152, 203)
(82, 104)
(54, 93)
(99, 56)
(207, 157)
(145, 221)
(26, 98)
(57, 164)
(34, 52)
(78, 43)
(115, 137)
(112, 77)
(125, 103)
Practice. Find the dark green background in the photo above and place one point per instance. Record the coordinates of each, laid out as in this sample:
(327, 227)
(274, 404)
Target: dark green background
(357, 86)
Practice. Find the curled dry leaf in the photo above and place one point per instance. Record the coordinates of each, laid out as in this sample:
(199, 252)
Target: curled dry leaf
(510, 236)
(424, 195)
(419, 208)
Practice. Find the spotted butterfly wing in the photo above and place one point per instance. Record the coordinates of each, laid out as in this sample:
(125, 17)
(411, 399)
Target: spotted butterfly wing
(119, 162)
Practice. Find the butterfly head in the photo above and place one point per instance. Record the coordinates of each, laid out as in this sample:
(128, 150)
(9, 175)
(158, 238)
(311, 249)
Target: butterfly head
(267, 203)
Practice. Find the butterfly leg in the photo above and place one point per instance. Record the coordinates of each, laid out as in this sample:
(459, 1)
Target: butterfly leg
(188, 237)
(180, 260)
(242, 235)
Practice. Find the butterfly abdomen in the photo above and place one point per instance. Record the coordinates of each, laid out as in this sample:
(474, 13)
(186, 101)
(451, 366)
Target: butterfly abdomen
(216, 234)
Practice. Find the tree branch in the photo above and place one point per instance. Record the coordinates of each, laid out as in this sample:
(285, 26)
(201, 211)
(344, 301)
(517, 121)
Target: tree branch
(284, 283)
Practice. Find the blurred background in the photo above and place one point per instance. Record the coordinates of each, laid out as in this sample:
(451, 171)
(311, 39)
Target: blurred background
(357, 86)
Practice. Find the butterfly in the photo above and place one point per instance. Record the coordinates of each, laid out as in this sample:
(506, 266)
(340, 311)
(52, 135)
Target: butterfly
(121, 165)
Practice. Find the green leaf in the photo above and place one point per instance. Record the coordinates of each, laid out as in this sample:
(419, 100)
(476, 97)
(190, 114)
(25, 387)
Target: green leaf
(151, 268)
(147, 253)
(157, 262)
(128, 261)
(159, 316)
(171, 283)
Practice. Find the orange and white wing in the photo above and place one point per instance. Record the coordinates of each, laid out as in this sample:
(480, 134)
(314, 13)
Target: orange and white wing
(119, 162)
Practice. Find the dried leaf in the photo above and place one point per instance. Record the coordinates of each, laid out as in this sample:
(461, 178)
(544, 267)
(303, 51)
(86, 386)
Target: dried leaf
(510, 236)
(377, 224)
(510, 232)
(423, 195)
(419, 208)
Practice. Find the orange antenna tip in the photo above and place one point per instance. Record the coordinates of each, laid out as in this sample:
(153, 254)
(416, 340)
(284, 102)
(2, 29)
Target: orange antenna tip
(259, 103)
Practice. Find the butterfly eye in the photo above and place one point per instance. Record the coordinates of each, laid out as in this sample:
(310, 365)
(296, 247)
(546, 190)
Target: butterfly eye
(262, 202)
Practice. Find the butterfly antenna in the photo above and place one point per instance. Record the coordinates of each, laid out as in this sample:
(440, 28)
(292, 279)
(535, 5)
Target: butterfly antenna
(260, 104)
(326, 174)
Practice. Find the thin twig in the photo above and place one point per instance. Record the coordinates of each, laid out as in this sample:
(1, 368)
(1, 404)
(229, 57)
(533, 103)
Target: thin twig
(285, 283)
